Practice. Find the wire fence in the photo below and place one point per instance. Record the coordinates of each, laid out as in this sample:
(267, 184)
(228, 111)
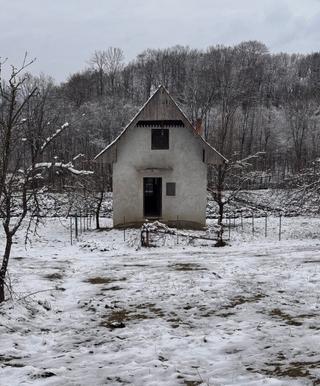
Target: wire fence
(79, 223)
(265, 225)
(235, 227)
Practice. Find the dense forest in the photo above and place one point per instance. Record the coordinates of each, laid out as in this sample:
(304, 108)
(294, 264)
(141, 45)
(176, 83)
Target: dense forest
(249, 100)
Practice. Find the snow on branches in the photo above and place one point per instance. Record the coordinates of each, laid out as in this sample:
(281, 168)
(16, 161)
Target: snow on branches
(64, 166)
(49, 139)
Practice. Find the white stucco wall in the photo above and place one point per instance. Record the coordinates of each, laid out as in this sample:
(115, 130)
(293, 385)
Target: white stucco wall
(184, 157)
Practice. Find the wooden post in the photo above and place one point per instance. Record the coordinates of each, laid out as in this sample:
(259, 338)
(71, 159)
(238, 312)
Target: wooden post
(266, 225)
(280, 226)
(241, 220)
(147, 236)
(177, 230)
(252, 223)
(70, 230)
(229, 226)
(80, 222)
(76, 225)
(124, 228)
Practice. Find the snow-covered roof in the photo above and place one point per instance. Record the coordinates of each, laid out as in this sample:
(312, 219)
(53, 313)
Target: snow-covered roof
(135, 118)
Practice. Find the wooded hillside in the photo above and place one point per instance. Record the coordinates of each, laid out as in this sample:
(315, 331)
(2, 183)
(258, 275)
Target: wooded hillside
(249, 99)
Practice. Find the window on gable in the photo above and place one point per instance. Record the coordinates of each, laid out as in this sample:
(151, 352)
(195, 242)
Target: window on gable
(170, 188)
(160, 139)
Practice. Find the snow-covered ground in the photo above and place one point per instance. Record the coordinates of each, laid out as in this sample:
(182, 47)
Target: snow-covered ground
(184, 313)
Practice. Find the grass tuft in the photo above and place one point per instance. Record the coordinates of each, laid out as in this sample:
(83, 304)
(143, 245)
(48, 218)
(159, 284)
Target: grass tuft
(103, 280)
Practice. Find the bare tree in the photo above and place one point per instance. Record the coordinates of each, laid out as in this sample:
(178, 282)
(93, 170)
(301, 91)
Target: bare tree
(98, 61)
(114, 65)
(300, 109)
(21, 149)
(107, 62)
(228, 181)
(303, 188)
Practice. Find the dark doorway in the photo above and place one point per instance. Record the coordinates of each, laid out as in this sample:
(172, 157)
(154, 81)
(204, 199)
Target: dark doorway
(152, 192)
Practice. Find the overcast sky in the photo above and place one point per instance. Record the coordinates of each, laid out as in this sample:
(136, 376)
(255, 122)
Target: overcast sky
(62, 34)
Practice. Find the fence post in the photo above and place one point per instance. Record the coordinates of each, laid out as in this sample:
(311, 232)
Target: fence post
(147, 236)
(177, 230)
(253, 224)
(229, 226)
(280, 216)
(124, 228)
(266, 225)
(80, 222)
(76, 225)
(241, 220)
(71, 230)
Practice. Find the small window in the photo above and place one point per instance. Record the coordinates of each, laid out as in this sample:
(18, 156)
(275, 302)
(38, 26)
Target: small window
(160, 139)
(171, 188)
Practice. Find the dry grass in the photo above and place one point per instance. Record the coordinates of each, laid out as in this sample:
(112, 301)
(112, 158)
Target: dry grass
(54, 276)
(118, 318)
(103, 280)
(187, 382)
(186, 267)
(288, 319)
(291, 369)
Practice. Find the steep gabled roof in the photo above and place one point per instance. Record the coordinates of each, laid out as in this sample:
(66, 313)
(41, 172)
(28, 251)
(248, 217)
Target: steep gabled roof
(153, 109)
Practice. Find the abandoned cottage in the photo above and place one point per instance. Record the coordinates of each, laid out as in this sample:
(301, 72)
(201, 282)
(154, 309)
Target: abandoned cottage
(159, 166)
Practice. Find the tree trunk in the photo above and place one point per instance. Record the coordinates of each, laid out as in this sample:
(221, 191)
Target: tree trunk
(101, 81)
(97, 221)
(4, 266)
(220, 189)
(220, 201)
(221, 210)
(99, 209)
(220, 242)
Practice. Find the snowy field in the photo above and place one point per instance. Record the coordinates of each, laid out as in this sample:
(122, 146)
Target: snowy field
(111, 313)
